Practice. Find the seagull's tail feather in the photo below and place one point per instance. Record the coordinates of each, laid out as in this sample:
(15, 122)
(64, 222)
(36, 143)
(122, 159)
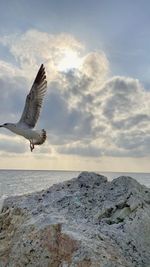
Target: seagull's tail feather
(42, 138)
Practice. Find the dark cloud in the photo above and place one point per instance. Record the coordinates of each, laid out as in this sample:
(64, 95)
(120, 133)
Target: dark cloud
(121, 108)
(82, 150)
(64, 123)
(138, 119)
(11, 146)
(13, 96)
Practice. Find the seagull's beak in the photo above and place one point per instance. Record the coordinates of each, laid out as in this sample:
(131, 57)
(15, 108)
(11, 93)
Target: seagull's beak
(1, 125)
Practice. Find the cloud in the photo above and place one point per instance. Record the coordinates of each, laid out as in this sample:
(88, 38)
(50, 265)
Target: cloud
(33, 47)
(96, 65)
(12, 90)
(86, 111)
(11, 145)
(119, 121)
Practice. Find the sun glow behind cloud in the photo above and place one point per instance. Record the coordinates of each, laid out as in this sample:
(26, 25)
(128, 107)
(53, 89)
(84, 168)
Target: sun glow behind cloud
(70, 60)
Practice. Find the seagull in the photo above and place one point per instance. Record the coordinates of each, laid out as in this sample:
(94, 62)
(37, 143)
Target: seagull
(31, 112)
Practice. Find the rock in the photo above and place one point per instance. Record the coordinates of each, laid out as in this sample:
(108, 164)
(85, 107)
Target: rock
(84, 222)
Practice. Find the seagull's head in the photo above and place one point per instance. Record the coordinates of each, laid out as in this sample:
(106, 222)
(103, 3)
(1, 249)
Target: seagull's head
(7, 125)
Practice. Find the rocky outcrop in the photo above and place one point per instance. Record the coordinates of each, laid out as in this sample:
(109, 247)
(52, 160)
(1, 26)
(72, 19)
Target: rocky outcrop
(84, 222)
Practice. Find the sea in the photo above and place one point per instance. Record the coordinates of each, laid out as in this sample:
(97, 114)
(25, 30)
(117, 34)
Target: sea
(18, 182)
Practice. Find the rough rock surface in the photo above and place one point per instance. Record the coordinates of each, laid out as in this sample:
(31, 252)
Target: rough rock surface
(84, 222)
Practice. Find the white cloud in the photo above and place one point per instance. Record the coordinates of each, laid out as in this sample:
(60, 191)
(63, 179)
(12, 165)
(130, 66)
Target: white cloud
(96, 65)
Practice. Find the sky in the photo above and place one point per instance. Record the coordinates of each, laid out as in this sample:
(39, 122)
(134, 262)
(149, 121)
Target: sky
(97, 107)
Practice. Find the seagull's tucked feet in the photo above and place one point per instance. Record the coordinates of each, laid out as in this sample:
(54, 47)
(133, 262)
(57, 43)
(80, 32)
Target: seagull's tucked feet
(39, 140)
(31, 146)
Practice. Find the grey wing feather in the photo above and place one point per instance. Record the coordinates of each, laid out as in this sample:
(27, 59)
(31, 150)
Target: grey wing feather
(34, 99)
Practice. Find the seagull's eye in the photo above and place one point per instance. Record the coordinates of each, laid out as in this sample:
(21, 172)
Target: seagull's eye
(5, 124)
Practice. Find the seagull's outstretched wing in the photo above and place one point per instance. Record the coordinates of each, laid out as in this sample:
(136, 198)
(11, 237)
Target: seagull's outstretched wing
(34, 99)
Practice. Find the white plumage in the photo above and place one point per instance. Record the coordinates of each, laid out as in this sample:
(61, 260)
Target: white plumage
(31, 112)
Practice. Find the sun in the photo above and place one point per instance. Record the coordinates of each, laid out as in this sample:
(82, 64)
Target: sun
(70, 60)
